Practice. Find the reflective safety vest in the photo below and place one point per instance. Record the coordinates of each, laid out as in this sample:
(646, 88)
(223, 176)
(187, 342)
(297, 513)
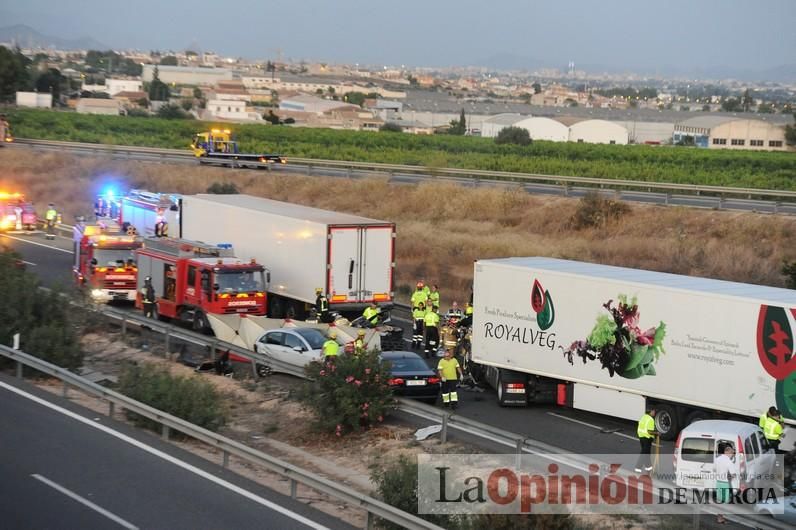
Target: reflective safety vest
(418, 314)
(645, 425)
(323, 304)
(469, 310)
(370, 314)
(434, 298)
(431, 319)
(772, 430)
(51, 215)
(331, 348)
(763, 419)
(359, 346)
(419, 297)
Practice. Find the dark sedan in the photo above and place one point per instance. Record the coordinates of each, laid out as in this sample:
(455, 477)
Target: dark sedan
(411, 377)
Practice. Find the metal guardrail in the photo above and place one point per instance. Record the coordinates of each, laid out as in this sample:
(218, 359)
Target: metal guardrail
(295, 474)
(519, 444)
(470, 174)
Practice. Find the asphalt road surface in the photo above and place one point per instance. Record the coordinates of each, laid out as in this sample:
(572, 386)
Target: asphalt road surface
(570, 430)
(65, 467)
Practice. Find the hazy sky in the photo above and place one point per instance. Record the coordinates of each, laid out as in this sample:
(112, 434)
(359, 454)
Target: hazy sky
(633, 34)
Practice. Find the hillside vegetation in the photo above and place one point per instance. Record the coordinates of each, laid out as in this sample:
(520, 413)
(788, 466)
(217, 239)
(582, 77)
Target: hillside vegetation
(633, 162)
(442, 228)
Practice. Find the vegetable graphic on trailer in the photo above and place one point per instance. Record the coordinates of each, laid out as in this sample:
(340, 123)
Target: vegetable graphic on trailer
(618, 342)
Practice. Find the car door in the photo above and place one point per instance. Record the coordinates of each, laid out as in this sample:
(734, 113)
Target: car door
(270, 344)
(767, 457)
(296, 351)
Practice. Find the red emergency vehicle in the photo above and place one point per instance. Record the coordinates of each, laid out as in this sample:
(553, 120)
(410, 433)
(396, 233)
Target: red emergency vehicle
(192, 279)
(16, 213)
(105, 261)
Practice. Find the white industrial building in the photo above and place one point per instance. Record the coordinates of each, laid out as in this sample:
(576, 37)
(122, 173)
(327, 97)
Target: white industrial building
(227, 109)
(544, 129)
(114, 86)
(35, 99)
(186, 75)
(598, 132)
(727, 132)
(110, 107)
(491, 126)
(305, 103)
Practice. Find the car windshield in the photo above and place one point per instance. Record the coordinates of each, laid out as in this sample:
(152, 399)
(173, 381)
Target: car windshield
(313, 337)
(114, 257)
(240, 281)
(407, 364)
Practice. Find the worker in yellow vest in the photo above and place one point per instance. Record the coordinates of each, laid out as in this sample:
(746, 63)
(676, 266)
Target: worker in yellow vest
(359, 343)
(450, 372)
(773, 431)
(418, 315)
(431, 325)
(330, 347)
(419, 296)
(646, 434)
(371, 314)
(433, 297)
(772, 412)
(51, 217)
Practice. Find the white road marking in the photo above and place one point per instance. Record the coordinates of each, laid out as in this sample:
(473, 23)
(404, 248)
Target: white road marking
(28, 263)
(85, 502)
(573, 420)
(160, 454)
(37, 243)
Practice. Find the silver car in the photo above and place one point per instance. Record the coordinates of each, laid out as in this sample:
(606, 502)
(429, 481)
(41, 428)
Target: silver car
(291, 348)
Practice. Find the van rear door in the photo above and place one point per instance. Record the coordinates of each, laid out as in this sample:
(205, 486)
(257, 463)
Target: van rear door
(695, 464)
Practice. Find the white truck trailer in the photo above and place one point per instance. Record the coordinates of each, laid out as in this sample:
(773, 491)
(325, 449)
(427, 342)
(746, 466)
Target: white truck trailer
(351, 258)
(694, 348)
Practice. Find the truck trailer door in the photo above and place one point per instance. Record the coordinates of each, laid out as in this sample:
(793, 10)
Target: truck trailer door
(360, 264)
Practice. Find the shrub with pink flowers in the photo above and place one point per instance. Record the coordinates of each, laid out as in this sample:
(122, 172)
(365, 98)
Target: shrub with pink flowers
(348, 394)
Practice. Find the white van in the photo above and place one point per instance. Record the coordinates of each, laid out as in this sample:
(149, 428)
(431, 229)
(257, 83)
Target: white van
(698, 445)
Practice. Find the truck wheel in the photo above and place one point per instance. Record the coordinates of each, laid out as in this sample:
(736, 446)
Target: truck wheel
(500, 392)
(697, 415)
(666, 422)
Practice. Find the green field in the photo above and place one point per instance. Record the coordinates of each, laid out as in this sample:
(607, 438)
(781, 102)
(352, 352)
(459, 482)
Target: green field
(633, 162)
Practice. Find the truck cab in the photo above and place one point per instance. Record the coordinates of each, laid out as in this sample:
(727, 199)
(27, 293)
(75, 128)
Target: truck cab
(214, 141)
(192, 279)
(105, 262)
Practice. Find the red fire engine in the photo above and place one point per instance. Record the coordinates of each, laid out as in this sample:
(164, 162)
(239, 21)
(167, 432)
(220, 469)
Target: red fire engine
(105, 261)
(192, 279)
(16, 213)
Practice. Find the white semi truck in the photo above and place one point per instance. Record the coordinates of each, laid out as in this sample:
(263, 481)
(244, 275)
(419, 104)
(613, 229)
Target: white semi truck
(351, 258)
(613, 340)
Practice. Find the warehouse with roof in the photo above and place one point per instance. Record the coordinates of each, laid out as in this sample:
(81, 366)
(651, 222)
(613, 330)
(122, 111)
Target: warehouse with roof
(544, 129)
(598, 132)
(728, 132)
(491, 126)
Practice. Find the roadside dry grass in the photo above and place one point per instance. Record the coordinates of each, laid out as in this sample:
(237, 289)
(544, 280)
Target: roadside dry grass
(443, 227)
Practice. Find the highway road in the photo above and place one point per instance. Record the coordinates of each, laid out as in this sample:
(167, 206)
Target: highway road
(65, 467)
(647, 197)
(571, 430)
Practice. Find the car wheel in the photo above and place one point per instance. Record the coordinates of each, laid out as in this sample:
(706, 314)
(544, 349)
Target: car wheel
(666, 422)
(263, 370)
